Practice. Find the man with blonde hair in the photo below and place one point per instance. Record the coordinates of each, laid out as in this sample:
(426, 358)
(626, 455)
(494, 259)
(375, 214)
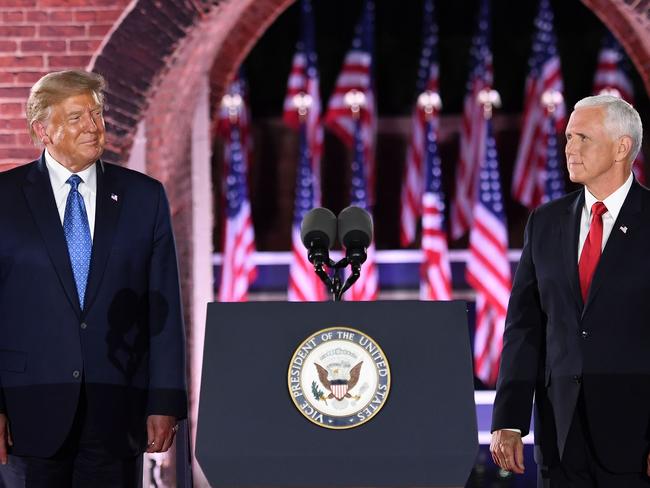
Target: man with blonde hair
(91, 335)
(577, 332)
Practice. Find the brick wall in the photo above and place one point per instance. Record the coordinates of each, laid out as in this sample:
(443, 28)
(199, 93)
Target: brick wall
(38, 36)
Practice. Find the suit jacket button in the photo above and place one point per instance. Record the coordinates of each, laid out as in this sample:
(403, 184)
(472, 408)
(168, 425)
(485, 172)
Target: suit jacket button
(83, 325)
(577, 378)
(584, 334)
(76, 374)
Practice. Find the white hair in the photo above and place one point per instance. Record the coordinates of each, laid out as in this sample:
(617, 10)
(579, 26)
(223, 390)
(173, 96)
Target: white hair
(621, 119)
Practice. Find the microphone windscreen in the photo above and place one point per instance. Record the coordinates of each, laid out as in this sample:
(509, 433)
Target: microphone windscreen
(355, 227)
(318, 224)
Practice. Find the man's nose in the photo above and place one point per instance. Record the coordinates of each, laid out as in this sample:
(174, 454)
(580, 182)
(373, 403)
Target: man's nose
(89, 123)
(569, 148)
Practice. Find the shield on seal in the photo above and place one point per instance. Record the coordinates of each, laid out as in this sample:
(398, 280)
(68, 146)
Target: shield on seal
(339, 388)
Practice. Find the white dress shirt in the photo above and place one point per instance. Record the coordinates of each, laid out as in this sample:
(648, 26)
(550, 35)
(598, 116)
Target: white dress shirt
(614, 202)
(59, 174)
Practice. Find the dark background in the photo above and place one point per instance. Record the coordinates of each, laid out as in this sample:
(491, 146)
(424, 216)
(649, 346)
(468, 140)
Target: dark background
(398, 32)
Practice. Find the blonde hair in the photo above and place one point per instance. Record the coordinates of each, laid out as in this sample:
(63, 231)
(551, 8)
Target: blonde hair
(55, 87)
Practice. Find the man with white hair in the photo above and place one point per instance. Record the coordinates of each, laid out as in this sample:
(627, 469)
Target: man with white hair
(577, 333)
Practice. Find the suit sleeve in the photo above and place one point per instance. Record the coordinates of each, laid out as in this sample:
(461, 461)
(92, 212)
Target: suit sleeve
(167, 394)
(523, 345)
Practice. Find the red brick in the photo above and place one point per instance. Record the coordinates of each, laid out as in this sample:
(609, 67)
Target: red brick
(7, 140)
(8, 46)
(30, 77)
(21, 61)
(62, 30)
(108, 15)
(64, 3)
(68, 61)
(85, 15)
(36, 16)
(104, 3)
(18, 3)
(17, 30)
(42, 46)
(85, 46)
(11, 109)
(13, 16)
(13, 124)
(60, 16)
(20, 153)
(14, 92)
(99, 30)
(6, 77)
(97, 15)
(24, 139)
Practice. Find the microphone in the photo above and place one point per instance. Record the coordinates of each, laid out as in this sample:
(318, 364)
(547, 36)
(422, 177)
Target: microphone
(318, 233)
(355, 233)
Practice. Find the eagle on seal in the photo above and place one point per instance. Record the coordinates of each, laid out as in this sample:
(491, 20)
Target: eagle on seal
(339, 388)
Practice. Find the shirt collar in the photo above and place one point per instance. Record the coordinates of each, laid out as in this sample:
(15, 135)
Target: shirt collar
(614, 202)
(59, 174)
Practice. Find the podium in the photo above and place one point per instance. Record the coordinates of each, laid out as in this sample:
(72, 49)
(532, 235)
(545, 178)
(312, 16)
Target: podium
(250, 433)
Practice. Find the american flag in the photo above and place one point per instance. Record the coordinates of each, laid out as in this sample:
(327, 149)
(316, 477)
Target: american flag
(528, 182)
(237, 270)
(304, 284)
(356, 74)
(367, 286)
(554, 177)
(435, 281)
(488, 269)
(612, 76)
(472, 135)
(412, 185)
(222, 120)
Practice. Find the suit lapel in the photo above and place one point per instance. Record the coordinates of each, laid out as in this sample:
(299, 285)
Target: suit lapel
(570, 232)
(41, 202)
(618, 241)
(108, 204)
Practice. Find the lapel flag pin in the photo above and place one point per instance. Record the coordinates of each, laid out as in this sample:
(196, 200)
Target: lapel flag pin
(114, 197)
(623, 228)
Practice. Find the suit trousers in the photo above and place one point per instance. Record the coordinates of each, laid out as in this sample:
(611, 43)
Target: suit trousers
(580, 467)
(82, 462)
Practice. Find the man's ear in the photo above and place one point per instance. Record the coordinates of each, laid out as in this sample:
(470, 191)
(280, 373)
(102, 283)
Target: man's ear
(623, 148)
(39, 130)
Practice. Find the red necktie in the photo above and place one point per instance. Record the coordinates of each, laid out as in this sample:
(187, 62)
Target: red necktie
(592, 248)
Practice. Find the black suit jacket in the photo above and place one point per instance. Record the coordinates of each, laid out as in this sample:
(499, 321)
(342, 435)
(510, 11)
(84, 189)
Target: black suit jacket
(554, 345)
(126, 345)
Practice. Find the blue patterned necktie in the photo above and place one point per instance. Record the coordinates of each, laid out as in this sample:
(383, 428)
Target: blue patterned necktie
(77, 234)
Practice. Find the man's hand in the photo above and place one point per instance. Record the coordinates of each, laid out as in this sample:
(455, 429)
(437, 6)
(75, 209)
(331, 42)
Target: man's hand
(507, 450)
(161, 430)
(5, 438)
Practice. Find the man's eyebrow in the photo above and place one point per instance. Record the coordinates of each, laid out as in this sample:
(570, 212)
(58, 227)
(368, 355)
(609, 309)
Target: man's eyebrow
(80, 111)
(580, 134)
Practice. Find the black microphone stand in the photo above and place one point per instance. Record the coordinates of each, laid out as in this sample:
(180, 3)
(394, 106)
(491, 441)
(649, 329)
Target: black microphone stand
(334, 283)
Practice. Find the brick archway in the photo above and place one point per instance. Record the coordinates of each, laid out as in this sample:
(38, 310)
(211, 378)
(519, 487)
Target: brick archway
(154, 42)
(629, 20)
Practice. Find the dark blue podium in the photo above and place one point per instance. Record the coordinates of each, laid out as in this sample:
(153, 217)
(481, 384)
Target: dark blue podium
(250, 434)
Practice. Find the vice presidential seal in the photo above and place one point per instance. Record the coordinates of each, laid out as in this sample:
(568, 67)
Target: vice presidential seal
(339, 378)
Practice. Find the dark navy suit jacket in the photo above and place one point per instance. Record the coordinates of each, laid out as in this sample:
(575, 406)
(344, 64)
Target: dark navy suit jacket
(554, 345)
(126, 345)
